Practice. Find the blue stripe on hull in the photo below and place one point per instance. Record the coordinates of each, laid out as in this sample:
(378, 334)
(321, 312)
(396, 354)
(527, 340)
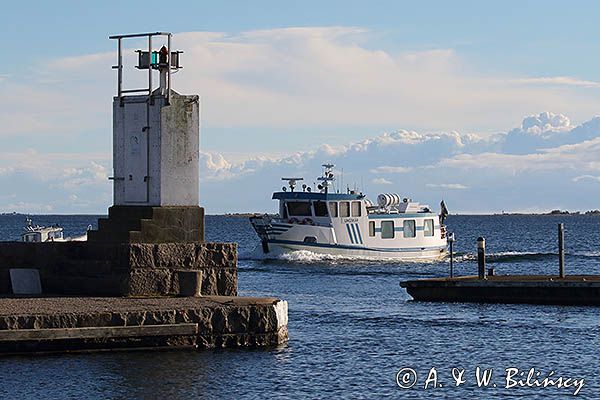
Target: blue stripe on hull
(352, 226)
(359, 235)
(350, 234)
(345, 246)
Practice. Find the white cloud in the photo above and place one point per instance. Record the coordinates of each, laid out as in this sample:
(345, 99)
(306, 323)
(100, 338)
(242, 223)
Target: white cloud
(77, 177)
(311, 76)
(495, 180)
(546, 122)
(452, 186)
(390, 170)
(59, 182)
(29, 207)
(331, 77)
(381, 181)
(6, 170)
(547, 130)
(582, 156)
(557, 80)
(593, 178)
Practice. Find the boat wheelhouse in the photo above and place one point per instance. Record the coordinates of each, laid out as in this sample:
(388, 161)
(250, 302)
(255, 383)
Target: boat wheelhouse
(349, 224)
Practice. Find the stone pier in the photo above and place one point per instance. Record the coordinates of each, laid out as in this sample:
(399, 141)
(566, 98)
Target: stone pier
(128, 296)
(109, 323)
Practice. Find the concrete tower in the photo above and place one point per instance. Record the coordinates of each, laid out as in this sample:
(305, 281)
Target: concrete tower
(155, 155)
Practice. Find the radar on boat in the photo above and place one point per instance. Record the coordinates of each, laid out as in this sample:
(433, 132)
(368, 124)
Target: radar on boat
(291, 182)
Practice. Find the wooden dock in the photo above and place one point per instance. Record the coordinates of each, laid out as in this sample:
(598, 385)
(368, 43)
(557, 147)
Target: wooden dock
(533, 289)
(487, 287)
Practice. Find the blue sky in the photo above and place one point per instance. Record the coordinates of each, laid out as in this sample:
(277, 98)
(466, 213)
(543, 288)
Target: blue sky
(286, 83)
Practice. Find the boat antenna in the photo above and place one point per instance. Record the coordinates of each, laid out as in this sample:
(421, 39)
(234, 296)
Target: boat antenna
(327, 178)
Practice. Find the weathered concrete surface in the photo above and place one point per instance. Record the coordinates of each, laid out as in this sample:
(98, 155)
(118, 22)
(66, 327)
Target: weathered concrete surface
(156, 150)
(180, 151)
(222, 321)
(532, 289)
(112, 269)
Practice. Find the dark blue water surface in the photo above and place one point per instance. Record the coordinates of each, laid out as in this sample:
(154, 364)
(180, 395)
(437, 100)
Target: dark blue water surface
(352, 328)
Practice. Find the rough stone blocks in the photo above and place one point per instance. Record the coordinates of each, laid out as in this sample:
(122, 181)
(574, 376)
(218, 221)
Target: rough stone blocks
(113, 269)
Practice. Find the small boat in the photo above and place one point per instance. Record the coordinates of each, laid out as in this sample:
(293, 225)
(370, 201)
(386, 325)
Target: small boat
(54, 233)
(348, 224)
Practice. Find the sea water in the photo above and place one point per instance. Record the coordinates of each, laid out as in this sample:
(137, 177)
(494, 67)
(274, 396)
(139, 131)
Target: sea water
(354, 333)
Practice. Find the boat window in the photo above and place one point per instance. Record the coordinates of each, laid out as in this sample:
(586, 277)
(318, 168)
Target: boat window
(299, 208)
(284, 212)
(428, 227)
(387, 229)
(356, 208)
(310, 239)
(371, 228)
(333, 211)
(344, 209)
(409, 228)
(320, 208)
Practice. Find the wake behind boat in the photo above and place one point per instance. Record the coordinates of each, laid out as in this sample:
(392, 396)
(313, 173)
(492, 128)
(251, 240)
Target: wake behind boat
(348, 224)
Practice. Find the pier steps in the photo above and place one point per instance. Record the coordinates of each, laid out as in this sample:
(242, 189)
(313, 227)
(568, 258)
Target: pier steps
(141, 224)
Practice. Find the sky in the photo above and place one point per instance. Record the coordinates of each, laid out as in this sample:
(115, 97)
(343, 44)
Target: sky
(491, 106)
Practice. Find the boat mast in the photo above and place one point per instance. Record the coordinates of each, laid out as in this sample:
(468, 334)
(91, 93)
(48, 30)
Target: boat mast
(326, 179)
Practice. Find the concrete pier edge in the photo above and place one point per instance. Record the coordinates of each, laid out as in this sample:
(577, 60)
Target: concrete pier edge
(60, 324)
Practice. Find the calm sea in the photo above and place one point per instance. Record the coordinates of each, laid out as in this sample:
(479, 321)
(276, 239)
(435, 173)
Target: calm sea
(352, 328)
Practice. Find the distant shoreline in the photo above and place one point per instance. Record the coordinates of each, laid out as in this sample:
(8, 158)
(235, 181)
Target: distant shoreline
(249, 214)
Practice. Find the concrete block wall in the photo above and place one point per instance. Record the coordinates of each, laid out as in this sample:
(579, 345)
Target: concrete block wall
(113, 269)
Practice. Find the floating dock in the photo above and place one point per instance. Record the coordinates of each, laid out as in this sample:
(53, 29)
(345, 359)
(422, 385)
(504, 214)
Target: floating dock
(487, 287)
(59, 324)
(533, 289)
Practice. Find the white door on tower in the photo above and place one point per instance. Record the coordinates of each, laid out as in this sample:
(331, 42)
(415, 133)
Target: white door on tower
(136, 153)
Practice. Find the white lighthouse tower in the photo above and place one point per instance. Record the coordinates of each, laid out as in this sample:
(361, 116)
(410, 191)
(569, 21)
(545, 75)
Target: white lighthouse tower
(155, 153)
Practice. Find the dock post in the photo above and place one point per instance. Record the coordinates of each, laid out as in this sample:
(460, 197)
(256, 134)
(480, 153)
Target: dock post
(451, 242)
(481, 257)
(561, 250)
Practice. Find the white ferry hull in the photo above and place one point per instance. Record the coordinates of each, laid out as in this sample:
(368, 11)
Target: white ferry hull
(434, 254)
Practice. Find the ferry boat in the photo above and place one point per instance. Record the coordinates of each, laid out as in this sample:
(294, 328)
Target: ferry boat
(348, 224)
(54, 233)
